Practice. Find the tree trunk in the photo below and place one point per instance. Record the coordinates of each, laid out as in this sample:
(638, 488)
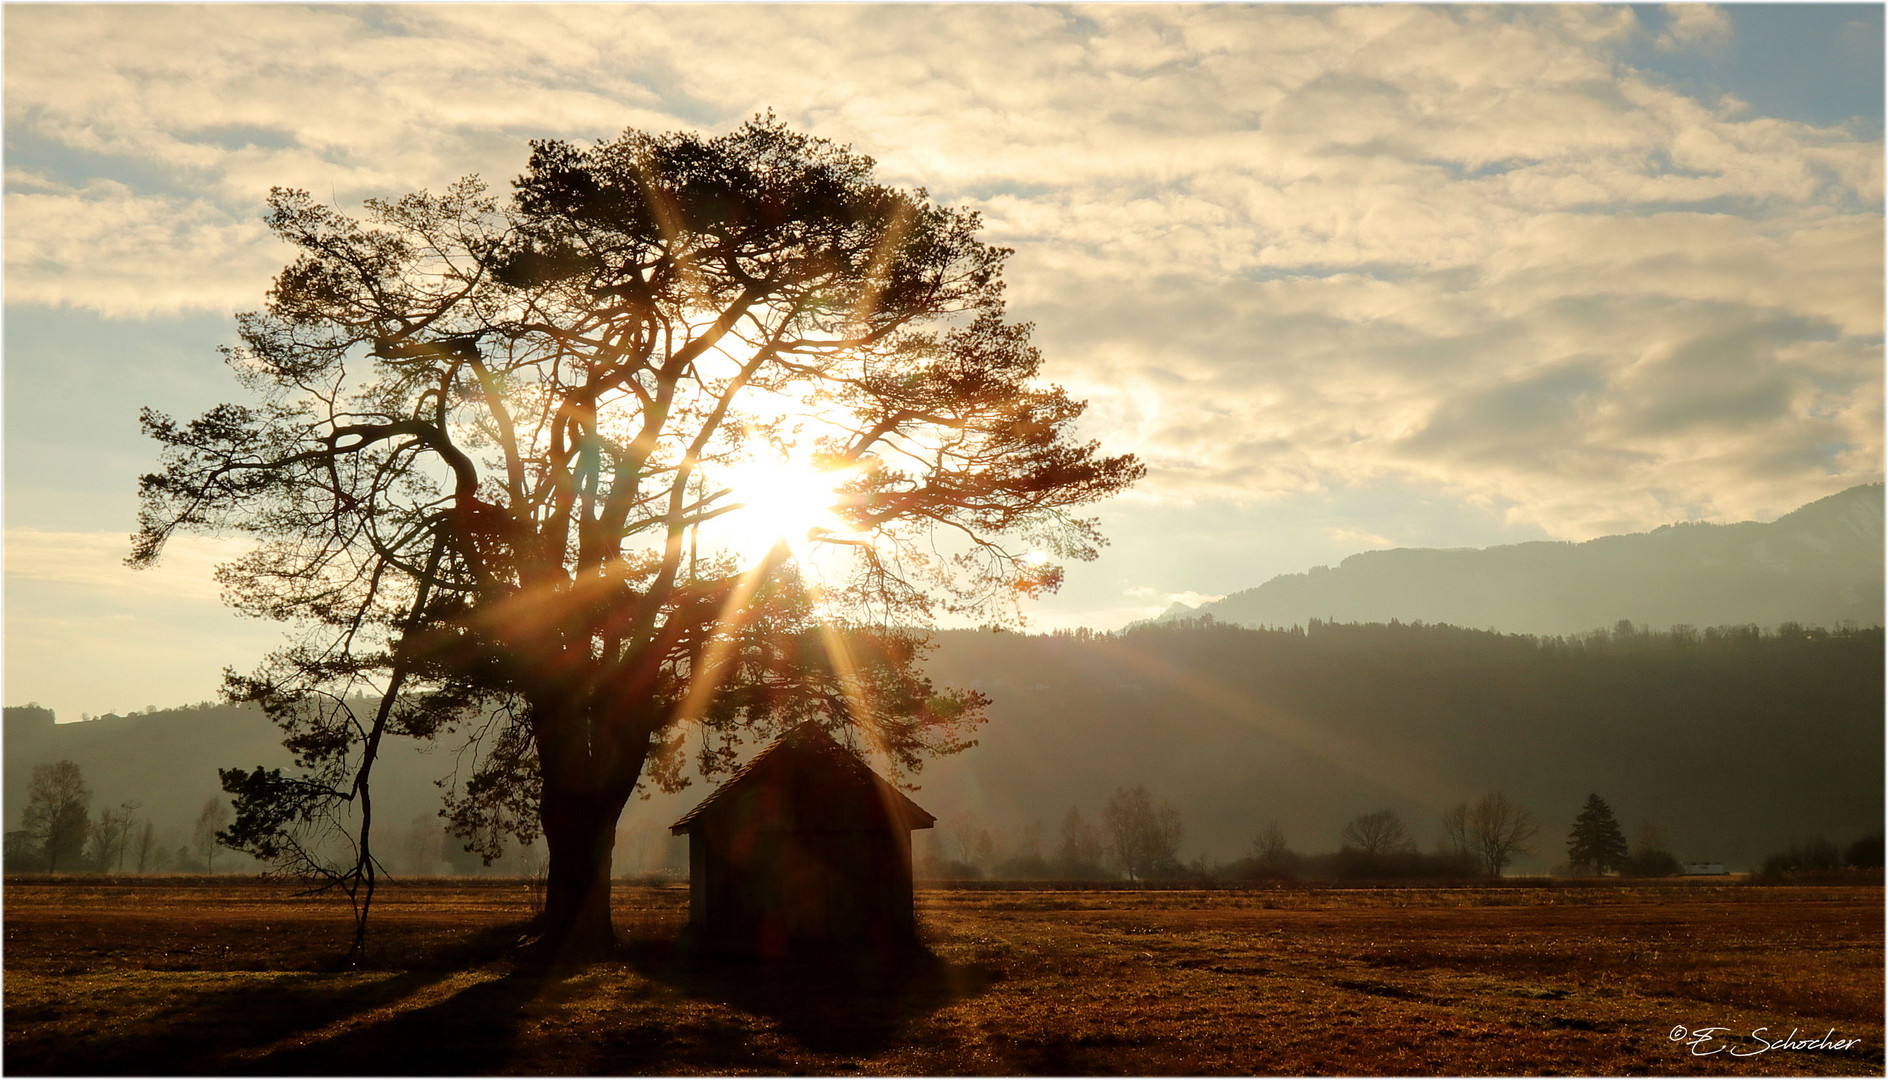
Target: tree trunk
(580, 831)
(587, 780)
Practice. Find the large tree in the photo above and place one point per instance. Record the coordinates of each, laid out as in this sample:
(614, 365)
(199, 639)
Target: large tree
(492, 444)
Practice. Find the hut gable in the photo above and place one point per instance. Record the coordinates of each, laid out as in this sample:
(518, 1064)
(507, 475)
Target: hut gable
(805, 843)
(805, 780)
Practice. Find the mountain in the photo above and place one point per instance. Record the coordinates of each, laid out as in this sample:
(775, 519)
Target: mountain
(1820, 565)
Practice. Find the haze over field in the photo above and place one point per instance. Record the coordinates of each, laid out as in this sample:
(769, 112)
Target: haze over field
(1346, 278)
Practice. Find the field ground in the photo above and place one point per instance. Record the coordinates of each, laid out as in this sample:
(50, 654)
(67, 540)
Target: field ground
(202, 976)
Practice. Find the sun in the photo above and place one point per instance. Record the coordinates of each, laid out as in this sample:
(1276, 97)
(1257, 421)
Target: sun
(780, 499)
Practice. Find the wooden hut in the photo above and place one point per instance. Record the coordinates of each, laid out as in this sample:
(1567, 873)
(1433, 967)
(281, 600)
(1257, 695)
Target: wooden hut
(804, 846)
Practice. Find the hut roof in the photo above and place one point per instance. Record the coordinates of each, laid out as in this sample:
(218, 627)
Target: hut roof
(809, 745)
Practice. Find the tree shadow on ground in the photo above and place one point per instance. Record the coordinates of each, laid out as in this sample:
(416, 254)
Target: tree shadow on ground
(214, 1028)
(253, 1023)
(473, 1032)
(512, 1017)
(853, 1003)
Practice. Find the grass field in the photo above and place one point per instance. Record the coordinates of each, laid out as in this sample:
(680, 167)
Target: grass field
(210, 977)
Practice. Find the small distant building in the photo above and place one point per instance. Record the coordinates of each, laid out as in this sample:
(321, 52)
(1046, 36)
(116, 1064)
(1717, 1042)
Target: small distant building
(1707, 869)
(803, 846)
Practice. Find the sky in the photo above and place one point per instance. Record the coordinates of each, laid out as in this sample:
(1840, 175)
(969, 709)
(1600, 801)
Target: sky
(1343, 277)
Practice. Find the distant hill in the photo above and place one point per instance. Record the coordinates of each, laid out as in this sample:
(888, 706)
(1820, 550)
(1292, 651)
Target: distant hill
(1820, 565)
(1738, 744)
(166, 762)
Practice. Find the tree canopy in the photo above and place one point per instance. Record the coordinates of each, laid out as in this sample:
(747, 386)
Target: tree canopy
(1380, 832)
(1498, 829)
(1142, 840)
(58, 816)
(498, 453)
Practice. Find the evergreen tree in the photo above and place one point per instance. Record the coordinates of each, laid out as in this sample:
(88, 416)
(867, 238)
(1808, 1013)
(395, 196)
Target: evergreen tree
(1596, 841)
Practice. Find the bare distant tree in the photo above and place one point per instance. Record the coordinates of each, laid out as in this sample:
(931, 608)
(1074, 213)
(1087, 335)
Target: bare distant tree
(1080, 853)
(1028, 844)
(1455, 838)
(1650, 838)
(1379, 832)
(20, 854)
(424, 845)
(146, 846)
(1651, 854)
(215, 816)
(970, 840)
(1270, 845)
(1022, 857)
(1272, 857)
(58, 812)
(110, 835)
(1499, 829)
(1143, 840)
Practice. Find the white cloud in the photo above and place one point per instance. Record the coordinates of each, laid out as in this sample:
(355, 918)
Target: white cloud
(1194, 599)
(1358, 538)
(1690, 26)
(1280, 249)
(108, 248)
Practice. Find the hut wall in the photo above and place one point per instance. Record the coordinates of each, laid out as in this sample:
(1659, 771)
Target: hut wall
(766, 891)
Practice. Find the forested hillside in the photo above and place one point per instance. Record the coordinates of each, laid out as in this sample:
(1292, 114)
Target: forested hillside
(1737, 743)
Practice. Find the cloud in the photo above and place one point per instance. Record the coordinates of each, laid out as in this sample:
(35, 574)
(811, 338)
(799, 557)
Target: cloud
(108, 248)
(1358, 538)
(1690, 26)
(1194, 599)
(1279, 249)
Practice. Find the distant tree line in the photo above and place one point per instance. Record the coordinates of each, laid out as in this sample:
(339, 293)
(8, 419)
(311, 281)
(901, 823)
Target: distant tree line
(1820, 859)
(1478, 839)
(1791, 715)
(1133, 838)
(59, 834)
(1136, 839)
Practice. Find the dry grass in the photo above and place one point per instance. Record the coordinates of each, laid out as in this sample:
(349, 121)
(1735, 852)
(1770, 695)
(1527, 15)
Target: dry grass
(192, 976)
